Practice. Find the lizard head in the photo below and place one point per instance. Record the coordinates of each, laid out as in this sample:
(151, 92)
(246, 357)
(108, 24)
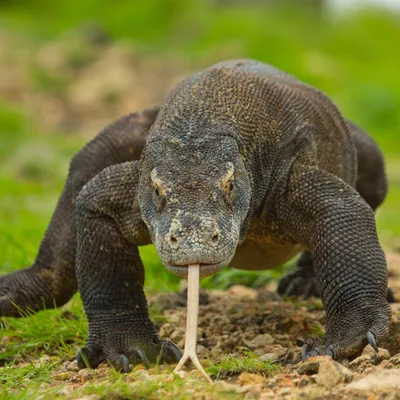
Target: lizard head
(194, 194)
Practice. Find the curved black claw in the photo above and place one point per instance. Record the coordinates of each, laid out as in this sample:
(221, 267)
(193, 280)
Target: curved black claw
(125, 363)
(89, 359)
(174, 353)
(82, 359)
(306, 352)
(372, 340)
(329, 351)
(143, 357)
(122, 358)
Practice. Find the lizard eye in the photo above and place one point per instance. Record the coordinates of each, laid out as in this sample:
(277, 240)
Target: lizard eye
(157, 192)
(231, 187)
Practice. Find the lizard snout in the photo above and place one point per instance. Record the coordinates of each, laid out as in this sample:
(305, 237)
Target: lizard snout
(205, 233)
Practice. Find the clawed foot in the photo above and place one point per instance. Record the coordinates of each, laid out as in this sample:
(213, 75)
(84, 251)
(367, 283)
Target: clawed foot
(299, 283)
(121, 358)
(320, 347)
(28, 290)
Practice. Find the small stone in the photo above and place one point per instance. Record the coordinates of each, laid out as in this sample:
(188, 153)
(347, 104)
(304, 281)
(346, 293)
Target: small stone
(361, 363)
(43, 360)
(394, 362)
(141, 375)
(85, 373)
(248, 378)
(63, 376)
(267, 396)
(268, 357)
(331, 373)
(311, 366)
(385, 364)
(376, 357)
(260, 341)
(73, 366)
(166, 330)
(253, 395)
(202, 351)
(177, 335)
(304, 381)
(243, 291)
(284, 391)
(66, 391)
(4, 340)
(181, 374)
(382, 379)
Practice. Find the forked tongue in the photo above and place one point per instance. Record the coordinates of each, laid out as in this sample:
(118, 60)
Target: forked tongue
(192, 321)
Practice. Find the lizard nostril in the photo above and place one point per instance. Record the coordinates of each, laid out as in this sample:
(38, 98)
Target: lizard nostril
(173, 239)
(215, 237)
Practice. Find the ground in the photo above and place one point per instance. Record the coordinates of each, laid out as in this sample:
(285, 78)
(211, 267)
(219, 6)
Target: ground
(247, 340)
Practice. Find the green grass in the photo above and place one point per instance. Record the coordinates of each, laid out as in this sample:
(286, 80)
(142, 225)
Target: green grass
(233, 365)
(23, 382)
(51, 332)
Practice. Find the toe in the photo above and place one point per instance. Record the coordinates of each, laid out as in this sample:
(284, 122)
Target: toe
(125, 363)
(316, 348)
(170, 353)
(143, 357)
(283, 284)
(89, 357)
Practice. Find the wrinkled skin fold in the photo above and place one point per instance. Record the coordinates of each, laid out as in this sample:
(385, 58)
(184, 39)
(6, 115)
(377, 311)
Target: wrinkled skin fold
(244, 165)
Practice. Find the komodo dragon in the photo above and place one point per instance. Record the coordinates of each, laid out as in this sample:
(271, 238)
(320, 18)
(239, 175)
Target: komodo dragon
(243, 165)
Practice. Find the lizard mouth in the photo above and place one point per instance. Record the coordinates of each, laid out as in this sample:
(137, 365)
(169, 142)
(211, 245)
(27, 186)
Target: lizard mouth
(205, 269)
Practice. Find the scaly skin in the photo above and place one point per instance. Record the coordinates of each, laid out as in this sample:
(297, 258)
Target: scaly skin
(241, 157)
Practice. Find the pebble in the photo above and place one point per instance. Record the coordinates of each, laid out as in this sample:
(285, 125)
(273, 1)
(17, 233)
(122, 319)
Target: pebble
(243, 291)
(260, 341)
(181, 374)
(361, 363)
(331, 373)
(43, 360)
(202, 351)
(73, 366)
(394, 362)
(63, 376)
(284, 391)
(178, 334)
(166, 330)
(248, 378)
(382, 379)
(269, 357)
(85, 373)
(376, 357)
(311, 366)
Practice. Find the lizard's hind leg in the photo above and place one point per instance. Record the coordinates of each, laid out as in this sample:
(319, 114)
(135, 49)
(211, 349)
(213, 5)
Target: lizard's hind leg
(51, 280)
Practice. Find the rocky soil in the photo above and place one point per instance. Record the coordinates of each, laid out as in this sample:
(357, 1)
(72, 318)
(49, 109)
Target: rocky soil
(240, 319)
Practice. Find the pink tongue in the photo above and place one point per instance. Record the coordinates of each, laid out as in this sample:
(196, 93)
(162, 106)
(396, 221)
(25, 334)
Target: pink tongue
(192, 321)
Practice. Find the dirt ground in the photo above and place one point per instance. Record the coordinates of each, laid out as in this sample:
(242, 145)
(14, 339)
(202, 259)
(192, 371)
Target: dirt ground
(240, 319)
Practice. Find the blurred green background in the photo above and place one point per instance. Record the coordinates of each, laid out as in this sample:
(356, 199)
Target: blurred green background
(69, 68)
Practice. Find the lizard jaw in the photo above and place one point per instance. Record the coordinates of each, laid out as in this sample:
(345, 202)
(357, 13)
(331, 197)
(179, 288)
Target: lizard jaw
(205, 269)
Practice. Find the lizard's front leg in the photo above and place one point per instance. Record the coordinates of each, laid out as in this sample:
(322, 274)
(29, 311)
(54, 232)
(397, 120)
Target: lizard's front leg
(111, 275)
(330, 218)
